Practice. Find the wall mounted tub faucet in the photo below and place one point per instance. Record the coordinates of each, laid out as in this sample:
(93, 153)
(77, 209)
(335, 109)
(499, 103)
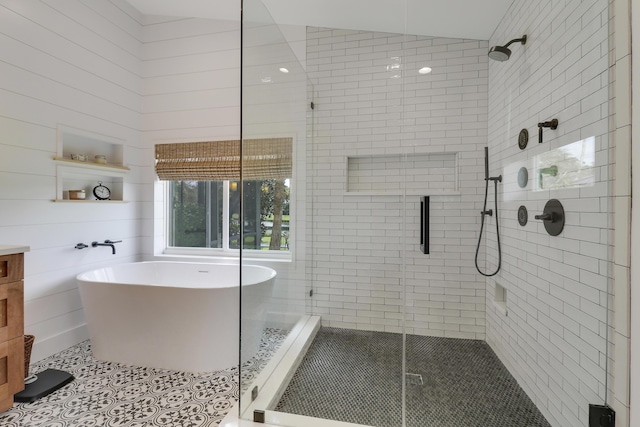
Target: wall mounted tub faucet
(551, 124)
(110, 243)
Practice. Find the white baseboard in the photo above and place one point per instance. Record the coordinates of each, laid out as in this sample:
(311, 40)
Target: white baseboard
(45, 347)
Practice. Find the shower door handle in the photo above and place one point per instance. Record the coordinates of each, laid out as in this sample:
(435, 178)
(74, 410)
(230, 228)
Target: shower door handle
(424, 224)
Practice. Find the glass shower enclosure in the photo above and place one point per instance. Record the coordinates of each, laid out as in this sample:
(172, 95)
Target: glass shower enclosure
(378, 315)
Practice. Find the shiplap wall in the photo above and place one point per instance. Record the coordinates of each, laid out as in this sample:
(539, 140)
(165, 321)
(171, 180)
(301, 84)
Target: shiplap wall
(192, 93)
(104, 68)
(554, 336)
(73, 63)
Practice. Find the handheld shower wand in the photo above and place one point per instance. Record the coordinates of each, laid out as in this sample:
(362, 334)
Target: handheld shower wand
(489, 212)
(488, 178)
(486, 163)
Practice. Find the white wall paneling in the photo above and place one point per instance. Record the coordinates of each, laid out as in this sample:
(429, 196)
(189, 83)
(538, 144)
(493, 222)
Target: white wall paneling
(74, 64)
(192, 93)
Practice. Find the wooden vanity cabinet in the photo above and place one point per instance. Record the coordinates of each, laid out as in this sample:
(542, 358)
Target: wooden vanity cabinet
(11, 328)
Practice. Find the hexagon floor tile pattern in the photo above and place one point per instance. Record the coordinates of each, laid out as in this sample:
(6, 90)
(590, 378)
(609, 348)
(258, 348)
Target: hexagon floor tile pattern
(355, 376)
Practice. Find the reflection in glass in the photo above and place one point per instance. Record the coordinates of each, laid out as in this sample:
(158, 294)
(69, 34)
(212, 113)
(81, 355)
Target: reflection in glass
(569, 166)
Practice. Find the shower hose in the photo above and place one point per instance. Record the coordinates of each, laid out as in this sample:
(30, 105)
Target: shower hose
(484, 213)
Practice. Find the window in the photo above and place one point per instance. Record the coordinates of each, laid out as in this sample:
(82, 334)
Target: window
(206, 214)
(204, 193)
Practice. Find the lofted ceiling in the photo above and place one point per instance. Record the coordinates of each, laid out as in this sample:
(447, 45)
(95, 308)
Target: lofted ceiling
(472, 19)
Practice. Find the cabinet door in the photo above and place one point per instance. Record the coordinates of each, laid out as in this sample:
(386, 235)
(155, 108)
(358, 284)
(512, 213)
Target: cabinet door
(11, 368)
(11, 268)
(11, 311)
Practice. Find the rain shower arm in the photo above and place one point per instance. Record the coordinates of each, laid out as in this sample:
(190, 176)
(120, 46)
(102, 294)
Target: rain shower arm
(502, 53)
(522, 40)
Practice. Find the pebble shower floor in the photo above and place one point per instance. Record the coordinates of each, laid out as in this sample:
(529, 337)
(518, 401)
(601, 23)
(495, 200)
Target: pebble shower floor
(117, 395)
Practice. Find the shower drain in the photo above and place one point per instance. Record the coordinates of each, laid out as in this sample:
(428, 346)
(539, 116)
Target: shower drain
(414, 379)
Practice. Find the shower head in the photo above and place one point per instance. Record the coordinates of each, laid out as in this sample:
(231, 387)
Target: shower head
(499, 53)
(502, 53)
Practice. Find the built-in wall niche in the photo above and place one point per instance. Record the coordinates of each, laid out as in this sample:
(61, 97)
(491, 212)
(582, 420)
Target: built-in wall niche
(79, 169)
(500, 299)
(415, 174)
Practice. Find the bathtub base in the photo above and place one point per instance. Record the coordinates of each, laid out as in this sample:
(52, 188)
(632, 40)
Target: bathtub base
(155, 327)
(176, 316)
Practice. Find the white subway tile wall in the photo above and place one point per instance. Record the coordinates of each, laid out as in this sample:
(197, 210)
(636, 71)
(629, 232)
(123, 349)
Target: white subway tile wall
(388, 135)
(554, 337)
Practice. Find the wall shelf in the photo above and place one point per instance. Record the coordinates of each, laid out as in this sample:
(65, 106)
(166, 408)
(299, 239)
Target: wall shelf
(91, 165)
(84, 175)
(412, 174)
(89, 201)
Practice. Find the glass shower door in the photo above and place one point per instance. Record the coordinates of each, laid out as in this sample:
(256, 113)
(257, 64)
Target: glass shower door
(387, 190)
(524, 338)
(347, 198)
(273, 217)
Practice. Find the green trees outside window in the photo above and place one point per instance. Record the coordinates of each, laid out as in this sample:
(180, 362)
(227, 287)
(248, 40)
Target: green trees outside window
(206, 214)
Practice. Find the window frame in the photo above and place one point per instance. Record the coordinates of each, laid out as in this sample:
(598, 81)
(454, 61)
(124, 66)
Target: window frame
(225, 252)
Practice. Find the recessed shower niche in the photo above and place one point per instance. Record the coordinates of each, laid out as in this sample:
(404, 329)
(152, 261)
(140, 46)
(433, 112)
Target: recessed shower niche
(432, 173)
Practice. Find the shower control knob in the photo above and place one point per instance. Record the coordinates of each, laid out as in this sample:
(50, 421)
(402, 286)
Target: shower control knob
(546, 217)
(523, 215)
(553, 217)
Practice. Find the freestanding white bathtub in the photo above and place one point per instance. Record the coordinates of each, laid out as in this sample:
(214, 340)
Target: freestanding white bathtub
(175, 315)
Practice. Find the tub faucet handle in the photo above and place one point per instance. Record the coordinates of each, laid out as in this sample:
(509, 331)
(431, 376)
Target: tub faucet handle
(81, 246)
(112, 241)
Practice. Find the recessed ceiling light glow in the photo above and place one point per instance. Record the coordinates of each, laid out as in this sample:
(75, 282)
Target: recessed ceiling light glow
(284, 70)
(425, 70)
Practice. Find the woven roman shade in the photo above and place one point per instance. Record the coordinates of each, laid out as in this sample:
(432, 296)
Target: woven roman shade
(220, 160)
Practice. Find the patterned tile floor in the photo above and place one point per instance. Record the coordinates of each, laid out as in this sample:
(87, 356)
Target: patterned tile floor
(112, 394)
(356, 376)
(346, 375)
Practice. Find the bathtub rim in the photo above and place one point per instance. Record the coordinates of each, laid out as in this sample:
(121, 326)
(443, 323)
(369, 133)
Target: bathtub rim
(272, 274)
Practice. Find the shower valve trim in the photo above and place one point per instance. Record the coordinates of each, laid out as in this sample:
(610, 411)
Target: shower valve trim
(551, 124)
